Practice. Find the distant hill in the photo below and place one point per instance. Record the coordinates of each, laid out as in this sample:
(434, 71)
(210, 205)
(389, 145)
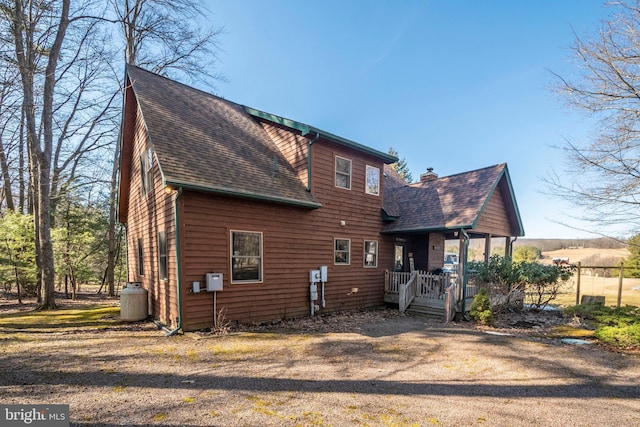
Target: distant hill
(546, 245)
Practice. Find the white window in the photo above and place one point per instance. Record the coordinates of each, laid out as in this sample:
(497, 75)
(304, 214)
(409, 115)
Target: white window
(162, 255)
(146, 173)
(343, 173)
(370, 253)
(341, 251)
(373, 181)
(246, 257)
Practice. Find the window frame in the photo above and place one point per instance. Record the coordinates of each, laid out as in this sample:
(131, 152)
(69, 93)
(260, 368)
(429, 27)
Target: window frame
(163, 265)
(366, 180)
(260, 257)
(348, 175)
(140, 257)
(375, 254)
(336, 251)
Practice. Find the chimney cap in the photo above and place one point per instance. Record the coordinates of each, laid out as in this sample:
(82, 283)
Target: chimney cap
(428, 175)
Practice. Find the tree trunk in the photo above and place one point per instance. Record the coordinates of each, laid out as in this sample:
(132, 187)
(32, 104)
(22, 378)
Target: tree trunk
(111, 254)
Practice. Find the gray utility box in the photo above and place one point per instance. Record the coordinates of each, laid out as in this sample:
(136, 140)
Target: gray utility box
(214, 282)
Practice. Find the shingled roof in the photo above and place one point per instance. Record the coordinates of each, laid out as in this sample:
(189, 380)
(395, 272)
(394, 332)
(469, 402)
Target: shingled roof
(447, 203)
(207, 143)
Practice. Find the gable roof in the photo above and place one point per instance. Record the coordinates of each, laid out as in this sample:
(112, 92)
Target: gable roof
(448, 203)
(207, 143)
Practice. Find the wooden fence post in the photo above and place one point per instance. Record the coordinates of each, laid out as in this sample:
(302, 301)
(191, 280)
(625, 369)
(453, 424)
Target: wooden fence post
(578, 285)
(620, 283)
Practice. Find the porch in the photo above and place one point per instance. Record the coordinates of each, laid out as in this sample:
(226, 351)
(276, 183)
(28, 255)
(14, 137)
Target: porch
(431, 294)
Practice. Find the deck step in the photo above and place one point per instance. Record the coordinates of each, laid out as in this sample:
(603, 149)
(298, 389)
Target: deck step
(426, 311)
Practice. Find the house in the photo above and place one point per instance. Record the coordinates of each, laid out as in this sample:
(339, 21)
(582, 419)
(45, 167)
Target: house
(218, 194)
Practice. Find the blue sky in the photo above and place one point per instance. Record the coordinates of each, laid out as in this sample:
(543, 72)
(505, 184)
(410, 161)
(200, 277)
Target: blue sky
(450, 84)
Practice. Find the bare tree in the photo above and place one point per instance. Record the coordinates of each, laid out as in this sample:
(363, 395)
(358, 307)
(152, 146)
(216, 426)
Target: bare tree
(163, 36)
(605, 170)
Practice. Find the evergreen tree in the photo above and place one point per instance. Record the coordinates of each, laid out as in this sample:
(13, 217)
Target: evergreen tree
(401, 166)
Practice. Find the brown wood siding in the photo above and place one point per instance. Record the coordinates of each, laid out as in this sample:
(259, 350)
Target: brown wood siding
(436, 251)
(494, 219)
(146, 216)
(293, 147)
(295, 241)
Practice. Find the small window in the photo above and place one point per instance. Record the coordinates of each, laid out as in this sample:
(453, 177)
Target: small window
(370, 253)
(373, 181)
(162, 255)
(246, 257)
(341, 251)
(343, 173)
(146, 170)
(140, 258)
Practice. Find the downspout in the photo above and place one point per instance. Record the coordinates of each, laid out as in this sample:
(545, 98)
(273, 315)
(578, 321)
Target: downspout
(464, 271)
(511, 247)
(177, 227)
(309, 160)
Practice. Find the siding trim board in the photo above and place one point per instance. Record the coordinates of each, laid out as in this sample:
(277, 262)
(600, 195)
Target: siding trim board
(228, 192)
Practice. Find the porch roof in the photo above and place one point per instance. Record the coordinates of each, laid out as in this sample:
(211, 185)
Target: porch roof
(449, 203)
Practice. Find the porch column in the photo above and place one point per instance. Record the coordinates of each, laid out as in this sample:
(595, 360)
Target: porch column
(507, 247)
(487, 248)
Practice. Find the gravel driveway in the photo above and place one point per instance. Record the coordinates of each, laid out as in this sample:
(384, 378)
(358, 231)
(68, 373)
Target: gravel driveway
(364, 369)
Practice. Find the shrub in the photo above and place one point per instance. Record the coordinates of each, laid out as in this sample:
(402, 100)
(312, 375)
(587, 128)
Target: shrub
(481, 308)
(541, 283)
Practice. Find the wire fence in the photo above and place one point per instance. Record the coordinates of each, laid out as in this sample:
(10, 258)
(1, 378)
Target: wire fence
(602, 284)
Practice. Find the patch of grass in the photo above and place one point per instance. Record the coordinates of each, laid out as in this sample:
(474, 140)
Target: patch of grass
(615, 326)
(93, 316)
(568, 331)
(189, 400)
(160, 417)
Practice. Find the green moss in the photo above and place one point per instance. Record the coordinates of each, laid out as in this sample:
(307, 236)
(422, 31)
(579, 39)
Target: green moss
(94, 316)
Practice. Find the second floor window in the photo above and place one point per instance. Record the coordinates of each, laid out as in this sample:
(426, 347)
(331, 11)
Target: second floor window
(146, 172)
(373, 181)
(343, 173)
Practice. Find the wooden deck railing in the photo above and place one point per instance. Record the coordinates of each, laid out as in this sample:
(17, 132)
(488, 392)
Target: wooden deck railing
(421, 284)
(407, 292)
(451, 300)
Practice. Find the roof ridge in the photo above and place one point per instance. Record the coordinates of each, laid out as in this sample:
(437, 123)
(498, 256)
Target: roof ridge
(420, 183)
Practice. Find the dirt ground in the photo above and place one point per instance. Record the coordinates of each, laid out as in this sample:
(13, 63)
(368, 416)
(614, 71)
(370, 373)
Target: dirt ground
(375, 368)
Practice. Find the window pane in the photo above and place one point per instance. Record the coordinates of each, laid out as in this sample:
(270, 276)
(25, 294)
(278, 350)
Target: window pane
(246, 244)
(342, 181)
(246, 256)
(370, 253)
(343, 165)
(342, 245)
(373, 180)
(140, 258)
(162, 255)
(245, 268)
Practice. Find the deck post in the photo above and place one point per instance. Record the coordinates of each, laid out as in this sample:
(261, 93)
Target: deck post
(620, 274)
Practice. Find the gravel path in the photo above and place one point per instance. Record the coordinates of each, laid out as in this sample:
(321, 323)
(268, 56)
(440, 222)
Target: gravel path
(363, 369)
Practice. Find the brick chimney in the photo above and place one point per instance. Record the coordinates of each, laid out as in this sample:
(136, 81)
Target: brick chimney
(428, 175)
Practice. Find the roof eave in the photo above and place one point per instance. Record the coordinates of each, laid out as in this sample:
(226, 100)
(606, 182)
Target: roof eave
(305, 129)
(243, 195)
(428, 229)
